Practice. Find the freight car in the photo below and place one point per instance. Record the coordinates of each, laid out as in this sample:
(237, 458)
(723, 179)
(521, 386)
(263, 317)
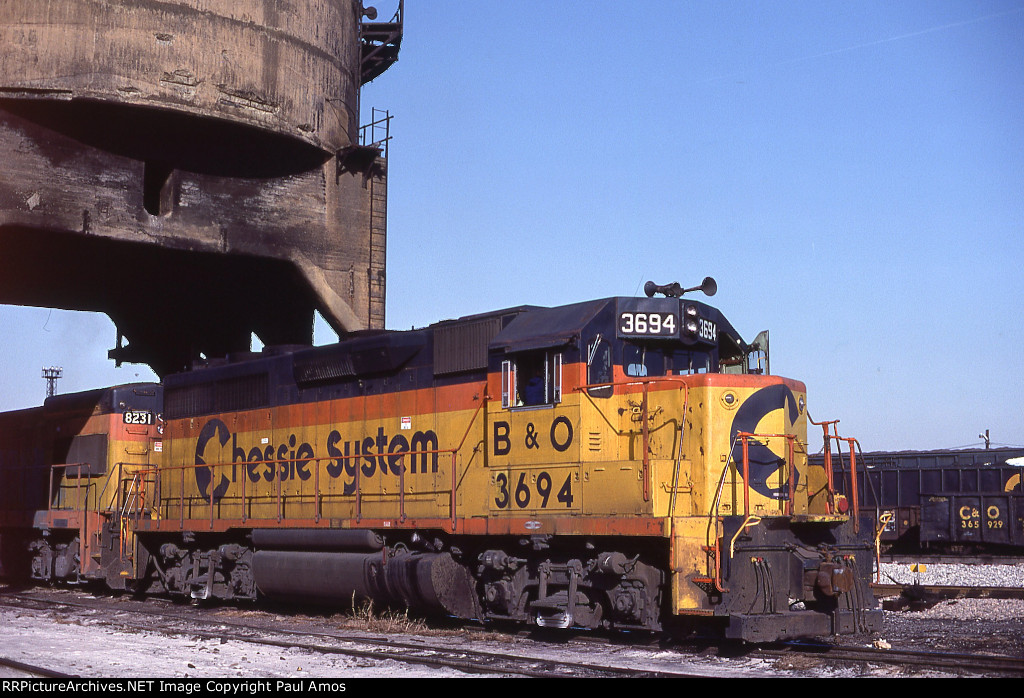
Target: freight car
(619, 463)
(969, 500)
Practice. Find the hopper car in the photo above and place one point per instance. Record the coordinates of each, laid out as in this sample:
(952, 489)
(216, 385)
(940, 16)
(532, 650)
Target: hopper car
(623, 463)
(953, 500)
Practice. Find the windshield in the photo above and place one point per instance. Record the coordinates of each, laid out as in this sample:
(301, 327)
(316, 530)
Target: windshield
(640, 360)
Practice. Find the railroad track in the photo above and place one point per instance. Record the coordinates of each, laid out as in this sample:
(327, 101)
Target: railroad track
(30, 671)
(421, 653)
(987, 665)
(266, 630)
(938, 592)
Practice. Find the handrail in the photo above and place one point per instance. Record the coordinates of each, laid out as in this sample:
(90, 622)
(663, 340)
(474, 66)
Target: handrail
(61, 487)
(679, 457)
(128, 498)
(81, 501)
(135, 499)
(827, 446)
(483, 402)
(645, 427)
(828, 460)
(751, 520)
(884, 520)
(853, 482)
(745, 436)
(713, 515)
(317, 495)
(78, 504)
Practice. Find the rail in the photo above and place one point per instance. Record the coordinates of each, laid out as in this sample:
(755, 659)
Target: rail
(62, 487)
(121, 506)
(368, 132)
(745, 437)
(883, 521)
(246, 499)
(714, 546)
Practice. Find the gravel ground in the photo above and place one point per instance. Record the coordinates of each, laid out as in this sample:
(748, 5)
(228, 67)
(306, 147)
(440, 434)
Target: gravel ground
(943, 574)
(990, 626)
(994, 626)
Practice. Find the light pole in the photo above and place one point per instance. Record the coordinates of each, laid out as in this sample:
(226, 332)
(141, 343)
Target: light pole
(51, 374)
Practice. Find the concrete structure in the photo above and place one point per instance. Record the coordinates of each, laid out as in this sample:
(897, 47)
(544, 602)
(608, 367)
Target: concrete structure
(193, 168)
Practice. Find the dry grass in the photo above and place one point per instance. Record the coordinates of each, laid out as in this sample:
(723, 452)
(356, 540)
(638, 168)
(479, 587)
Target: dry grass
(366, 617)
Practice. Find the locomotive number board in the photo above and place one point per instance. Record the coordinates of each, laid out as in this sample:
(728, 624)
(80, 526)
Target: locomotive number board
(647, 317)
(138, 417)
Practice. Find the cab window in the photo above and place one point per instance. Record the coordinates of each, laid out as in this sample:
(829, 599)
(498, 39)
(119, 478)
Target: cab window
(599, 367)
(639, 361)
(532, 379)
(687, 363)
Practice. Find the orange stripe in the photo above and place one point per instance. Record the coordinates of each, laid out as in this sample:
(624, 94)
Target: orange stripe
(405, 403)
(576, 526)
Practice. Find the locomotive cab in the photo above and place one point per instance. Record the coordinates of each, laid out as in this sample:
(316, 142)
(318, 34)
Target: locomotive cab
(658, 419)
(88, 451)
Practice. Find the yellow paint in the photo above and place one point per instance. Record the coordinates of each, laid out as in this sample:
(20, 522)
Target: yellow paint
(582, 459)
(125, 487)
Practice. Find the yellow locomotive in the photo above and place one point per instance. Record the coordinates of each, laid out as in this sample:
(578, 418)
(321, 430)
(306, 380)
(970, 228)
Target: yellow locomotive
(622, 463)
(69, 471)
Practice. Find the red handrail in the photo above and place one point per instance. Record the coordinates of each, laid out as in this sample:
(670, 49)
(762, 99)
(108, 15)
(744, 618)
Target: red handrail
(827, 445)
(745, 436)
(645, 427)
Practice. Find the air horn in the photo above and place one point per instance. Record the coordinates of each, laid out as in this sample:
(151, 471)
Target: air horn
(674, 290)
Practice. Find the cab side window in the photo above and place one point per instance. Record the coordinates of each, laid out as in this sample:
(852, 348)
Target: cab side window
(599, 367)
(532, 379)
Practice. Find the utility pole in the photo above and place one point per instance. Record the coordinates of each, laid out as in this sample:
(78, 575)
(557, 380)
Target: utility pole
(985, 436)
(51, 374)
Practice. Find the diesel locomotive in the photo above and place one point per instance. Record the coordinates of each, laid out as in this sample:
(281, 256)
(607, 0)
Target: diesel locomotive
(625, 463)
(61, 467)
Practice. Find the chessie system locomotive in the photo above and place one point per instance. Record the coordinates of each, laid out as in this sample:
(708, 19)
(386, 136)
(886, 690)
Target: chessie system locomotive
(621, 463)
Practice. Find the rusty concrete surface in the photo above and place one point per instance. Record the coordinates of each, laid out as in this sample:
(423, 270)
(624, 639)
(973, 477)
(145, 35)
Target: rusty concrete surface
(191, 168)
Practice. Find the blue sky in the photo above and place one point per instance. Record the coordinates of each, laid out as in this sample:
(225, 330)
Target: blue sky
(852, 174)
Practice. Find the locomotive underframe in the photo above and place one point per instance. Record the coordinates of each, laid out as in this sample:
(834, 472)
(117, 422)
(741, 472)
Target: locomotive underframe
(778, 579)
(552, 581)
